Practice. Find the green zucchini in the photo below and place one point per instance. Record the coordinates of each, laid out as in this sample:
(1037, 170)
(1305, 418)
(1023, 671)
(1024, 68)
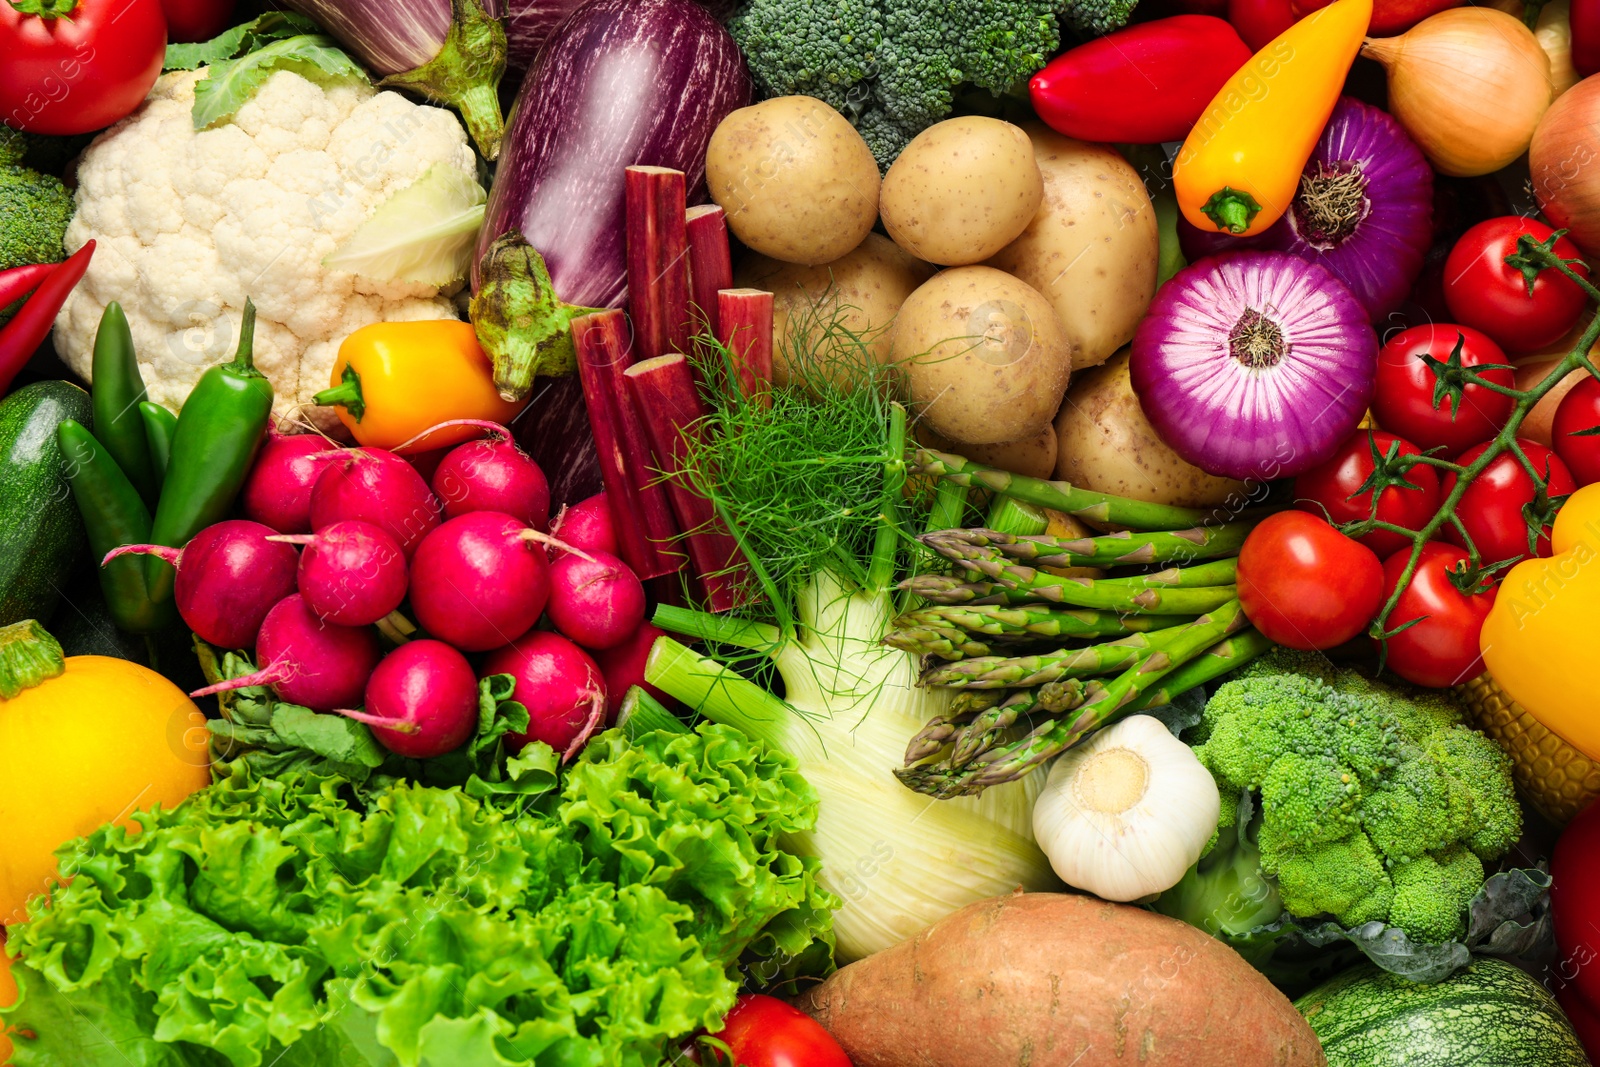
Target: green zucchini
(1488, 1014)
(41, 534)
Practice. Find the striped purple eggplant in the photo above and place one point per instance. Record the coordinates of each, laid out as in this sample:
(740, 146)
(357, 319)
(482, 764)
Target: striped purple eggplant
(529, 23)
(452, 52)
(621, 82)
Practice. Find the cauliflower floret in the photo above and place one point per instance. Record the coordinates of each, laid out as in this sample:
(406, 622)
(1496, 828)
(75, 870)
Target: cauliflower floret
(189, 224)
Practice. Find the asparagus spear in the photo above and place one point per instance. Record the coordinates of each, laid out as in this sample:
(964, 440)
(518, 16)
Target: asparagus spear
(945, 642)
(1023, 585)
(1217, 572)
(1034, 621)
(963, 708)
(1215, 661)
(1109, 550)
(945, 780)
(1061, 496)
(1008, 672)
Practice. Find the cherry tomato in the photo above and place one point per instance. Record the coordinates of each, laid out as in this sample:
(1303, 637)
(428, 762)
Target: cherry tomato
(1442, 649)
(1484, 292)
(1491, 508)
(1330, 490)
(1403, 397)
(1579, 412)
(1306, 585)
(196, 20)
(766, 1032)
(80, 69)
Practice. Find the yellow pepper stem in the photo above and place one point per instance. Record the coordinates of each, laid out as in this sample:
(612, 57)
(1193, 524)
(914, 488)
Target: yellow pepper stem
(1231, 209)
(28, 656)
(347, 394)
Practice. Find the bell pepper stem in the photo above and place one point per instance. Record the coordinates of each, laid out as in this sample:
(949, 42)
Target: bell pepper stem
(28, 656)
(347, 394)
(1231, 209)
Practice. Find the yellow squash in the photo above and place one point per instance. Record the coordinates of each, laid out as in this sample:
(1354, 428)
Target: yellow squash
(83, 741)
(393, 380)
(1240, 166)
(1541, 641)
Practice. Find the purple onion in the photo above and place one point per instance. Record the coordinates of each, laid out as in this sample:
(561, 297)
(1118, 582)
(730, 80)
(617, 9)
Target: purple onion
(1364, 210)
(450, 51)
(1254, 364)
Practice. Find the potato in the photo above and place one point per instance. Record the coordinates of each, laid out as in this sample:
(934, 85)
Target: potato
(1105, 443)
(984, 357)
(1035, 457)
(863, 290)
(1057, 980)
(795, 178)
(1093, 247)
(961, 190)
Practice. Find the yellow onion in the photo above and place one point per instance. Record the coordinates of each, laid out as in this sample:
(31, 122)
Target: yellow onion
(1469, 85)
(1564, 160)
(1554, 33)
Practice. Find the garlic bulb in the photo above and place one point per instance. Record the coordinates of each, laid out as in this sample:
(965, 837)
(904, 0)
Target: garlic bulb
(1127, 812)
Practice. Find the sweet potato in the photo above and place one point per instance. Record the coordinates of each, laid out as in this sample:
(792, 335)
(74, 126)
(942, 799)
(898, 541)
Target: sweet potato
(1052, 980)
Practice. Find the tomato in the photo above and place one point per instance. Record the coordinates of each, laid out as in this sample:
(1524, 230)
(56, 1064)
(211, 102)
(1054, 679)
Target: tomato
(1403, 398)
(83, 68)
(1484, 292)
(1330, 490)
(1442, 649)
(1579, 411)
(1491, 508)
(766, 1032)
(1306, 585)
(196, 20)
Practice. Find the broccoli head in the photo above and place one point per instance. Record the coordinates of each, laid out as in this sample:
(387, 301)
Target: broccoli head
(34, 212)
(1375, 803)
(893, 67)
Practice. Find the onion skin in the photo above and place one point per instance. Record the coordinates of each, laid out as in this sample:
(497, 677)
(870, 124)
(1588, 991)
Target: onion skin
(1564, 161)
(1280, 417)
(1380, 257)
(1469, 85)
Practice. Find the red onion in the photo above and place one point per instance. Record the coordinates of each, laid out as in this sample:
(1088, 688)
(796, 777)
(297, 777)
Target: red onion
(1364, 210)
(1254, 364)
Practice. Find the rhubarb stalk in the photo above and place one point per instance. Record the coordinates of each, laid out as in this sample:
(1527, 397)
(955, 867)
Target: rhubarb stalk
(745, 320)
(710, 265)
(658, 260)
(664, 391)
(639, 508)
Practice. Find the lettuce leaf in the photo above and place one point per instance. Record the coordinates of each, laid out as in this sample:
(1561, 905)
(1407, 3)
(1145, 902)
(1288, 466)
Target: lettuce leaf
(580, 917)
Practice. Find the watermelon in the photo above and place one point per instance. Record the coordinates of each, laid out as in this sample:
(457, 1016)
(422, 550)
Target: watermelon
(1488, 1014)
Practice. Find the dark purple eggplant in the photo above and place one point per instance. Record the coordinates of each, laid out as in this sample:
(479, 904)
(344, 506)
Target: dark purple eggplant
(452, 52)
(621, 82)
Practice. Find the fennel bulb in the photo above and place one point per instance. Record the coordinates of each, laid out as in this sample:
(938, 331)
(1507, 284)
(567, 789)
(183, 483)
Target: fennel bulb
(898, 860)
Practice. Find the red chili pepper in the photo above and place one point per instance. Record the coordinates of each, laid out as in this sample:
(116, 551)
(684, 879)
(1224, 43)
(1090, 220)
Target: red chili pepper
(1144, 84)
(1260, 21)
(18, 282)
(1585, 21)
(24, 333)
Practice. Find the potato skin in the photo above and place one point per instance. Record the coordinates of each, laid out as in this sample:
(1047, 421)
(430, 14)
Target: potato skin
(1034, 457)
(865, 288)
(1059, 980)
(961, 190)
(984, 357)
(1105, 443)
(1093, 247)
(795, 178)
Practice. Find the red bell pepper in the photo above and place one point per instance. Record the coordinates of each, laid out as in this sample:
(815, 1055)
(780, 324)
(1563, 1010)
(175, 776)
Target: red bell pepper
(1585, 21)
(21, 337)
(1575, 911)
(1144, 84)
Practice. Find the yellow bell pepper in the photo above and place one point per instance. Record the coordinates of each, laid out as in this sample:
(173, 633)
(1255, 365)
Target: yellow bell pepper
(1240, 166)
(393, 380)
(1541, 641)
(84, 741)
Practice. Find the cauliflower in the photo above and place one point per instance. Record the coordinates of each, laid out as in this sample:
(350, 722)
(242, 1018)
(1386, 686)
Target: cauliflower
(189, 224)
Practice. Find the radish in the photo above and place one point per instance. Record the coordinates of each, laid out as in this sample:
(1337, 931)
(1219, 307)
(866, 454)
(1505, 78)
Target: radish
(622, 666)
(595, 599)
(559, 685)
(351, 573)
(586, 525)
(230, 574)
(422, 701)
(376, 486)
(493, 474)
(480, 581)
(307, 661)
(278, 491)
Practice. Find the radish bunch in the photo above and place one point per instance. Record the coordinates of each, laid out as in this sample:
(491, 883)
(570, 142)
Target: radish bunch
(470, 555)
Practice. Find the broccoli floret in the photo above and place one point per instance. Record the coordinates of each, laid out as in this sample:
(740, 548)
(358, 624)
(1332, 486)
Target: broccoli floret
(1431, 894)
(34, 212)
(13, 146)
(1372, 798)
(893, 66)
